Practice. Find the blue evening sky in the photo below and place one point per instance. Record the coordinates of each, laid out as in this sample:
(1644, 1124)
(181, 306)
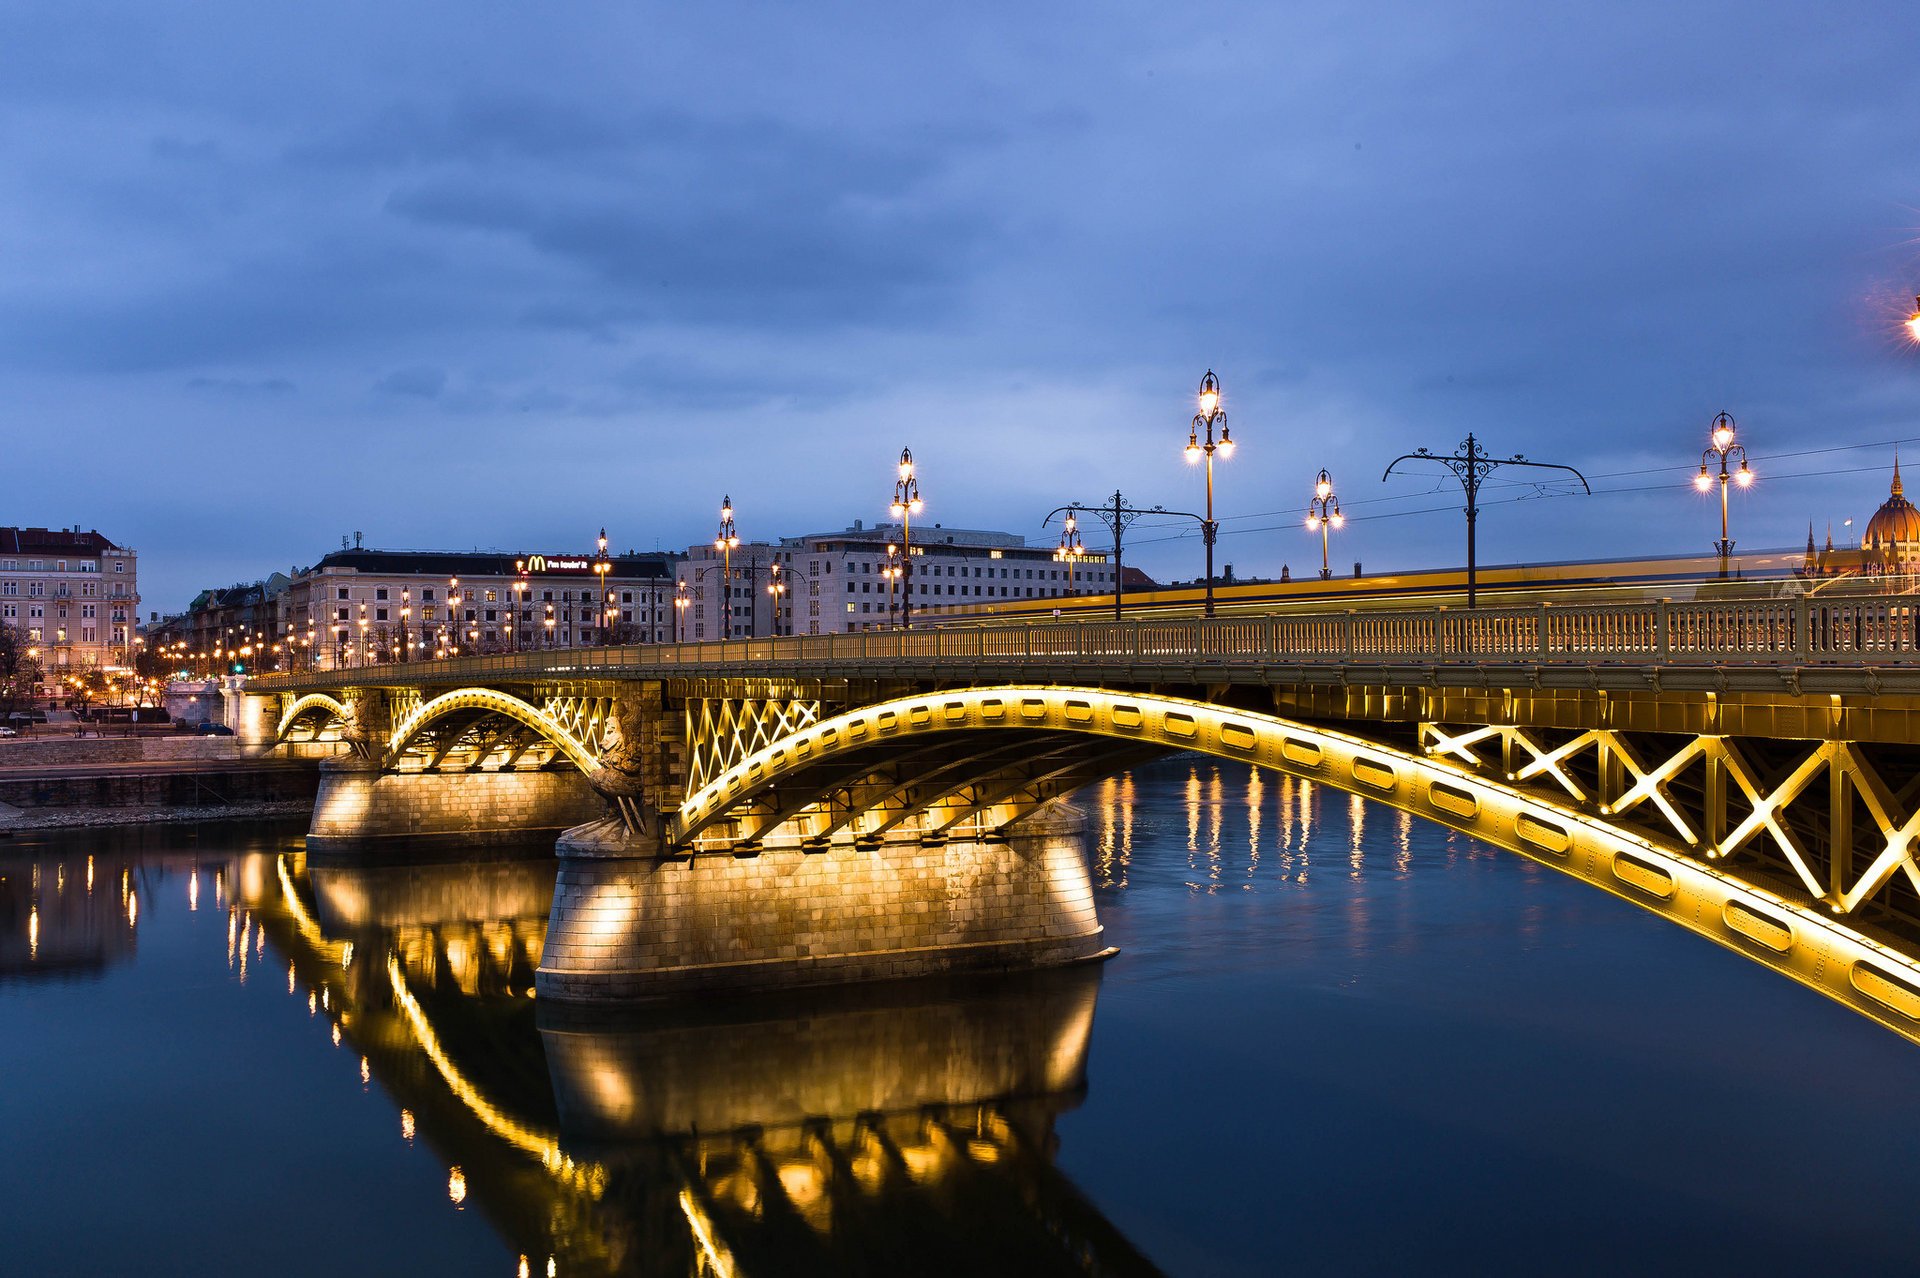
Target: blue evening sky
(495, 274)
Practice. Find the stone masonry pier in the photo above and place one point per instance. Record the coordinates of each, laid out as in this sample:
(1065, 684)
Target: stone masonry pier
(364, 809)
(628, 927)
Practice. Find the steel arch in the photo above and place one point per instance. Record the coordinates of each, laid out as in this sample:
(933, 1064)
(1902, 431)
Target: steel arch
(302, 706)
(1796, 939)
(493, 702)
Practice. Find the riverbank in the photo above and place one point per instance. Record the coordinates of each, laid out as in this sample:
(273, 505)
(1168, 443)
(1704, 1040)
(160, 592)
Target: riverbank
(106, 782)
(15, 820)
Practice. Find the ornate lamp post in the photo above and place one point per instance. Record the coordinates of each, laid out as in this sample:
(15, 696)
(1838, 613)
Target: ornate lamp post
(363, 634)
(406, 612)
(776, 586)
(906, 504)
(549, 625)
(1323, 513)
(891, 571)
(1070, 547)
(681, 599)
(1721, 448)
(1209, 416)
(602, 565)
(453, 616)
(1913, 322)
(725, 543)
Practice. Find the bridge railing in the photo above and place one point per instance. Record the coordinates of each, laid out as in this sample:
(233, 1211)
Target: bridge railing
(1803, 631)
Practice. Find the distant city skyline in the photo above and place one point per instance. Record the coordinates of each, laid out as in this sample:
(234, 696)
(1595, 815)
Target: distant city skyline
(499, 280)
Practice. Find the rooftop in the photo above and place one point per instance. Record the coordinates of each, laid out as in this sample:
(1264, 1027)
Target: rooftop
(29, 541)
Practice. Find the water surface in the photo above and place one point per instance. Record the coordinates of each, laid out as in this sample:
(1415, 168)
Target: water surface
(1336, 1040)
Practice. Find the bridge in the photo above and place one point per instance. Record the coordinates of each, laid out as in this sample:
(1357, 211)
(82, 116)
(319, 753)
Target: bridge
(819, 808)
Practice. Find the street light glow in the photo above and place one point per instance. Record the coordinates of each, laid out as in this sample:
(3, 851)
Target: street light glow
(1703, 481)
(1913, 322)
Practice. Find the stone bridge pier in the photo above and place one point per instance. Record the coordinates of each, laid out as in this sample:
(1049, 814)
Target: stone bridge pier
(695, 854)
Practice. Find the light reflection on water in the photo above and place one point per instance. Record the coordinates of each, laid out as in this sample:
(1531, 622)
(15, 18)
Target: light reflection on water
(1336, 1040)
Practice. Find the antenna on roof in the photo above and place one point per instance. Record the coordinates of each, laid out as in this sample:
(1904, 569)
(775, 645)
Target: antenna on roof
(356, 539)
(343, 541)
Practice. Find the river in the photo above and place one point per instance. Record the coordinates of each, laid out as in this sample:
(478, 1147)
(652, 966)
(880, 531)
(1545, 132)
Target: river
(1336, 1040)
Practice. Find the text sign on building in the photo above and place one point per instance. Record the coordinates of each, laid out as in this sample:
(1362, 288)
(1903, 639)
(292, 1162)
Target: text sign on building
(558, 563)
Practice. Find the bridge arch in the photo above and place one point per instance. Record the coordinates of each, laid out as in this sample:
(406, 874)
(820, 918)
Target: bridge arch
(315, 706)
(494, 702)
(778, 786)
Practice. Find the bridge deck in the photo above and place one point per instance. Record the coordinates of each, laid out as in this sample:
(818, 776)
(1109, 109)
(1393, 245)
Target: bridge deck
(1859, 645)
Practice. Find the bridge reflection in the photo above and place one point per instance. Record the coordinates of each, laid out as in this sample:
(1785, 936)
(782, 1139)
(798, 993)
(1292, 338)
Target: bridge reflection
(905, 1127)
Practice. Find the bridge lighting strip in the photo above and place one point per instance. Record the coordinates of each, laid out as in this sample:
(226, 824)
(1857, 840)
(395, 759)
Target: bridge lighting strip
(1795, 940)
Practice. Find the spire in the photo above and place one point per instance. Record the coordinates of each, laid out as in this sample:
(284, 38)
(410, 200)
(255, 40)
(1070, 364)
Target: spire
(1896, 471)
(1829, 536)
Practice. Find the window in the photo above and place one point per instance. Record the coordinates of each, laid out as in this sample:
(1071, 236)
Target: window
(626, 596)
(119, 565)
(380, 593)
(7, 588)
(426, 596)
(342, 594)
(492, 597)
(340, 614)
(35, 589)
(380, 614)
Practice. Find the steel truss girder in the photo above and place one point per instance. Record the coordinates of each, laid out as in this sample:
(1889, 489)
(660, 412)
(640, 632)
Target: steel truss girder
(1875, 972)
(1627, 781)
(721, 731)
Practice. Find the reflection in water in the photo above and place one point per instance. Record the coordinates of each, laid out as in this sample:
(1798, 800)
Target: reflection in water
(55, 924)
(905, 1127)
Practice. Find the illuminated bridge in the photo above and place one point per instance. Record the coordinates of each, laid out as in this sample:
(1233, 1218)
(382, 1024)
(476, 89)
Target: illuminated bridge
(810, 809)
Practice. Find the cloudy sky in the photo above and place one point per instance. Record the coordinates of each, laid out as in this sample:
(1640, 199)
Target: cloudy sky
(495, 274)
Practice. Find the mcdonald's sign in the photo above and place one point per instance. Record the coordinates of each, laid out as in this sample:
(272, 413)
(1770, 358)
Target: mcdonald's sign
(557, 563)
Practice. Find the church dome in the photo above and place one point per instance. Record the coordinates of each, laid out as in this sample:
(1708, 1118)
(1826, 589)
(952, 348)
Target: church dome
(1897, 521)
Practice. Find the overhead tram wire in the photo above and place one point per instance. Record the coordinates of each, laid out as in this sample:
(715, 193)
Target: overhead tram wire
(1773, 477)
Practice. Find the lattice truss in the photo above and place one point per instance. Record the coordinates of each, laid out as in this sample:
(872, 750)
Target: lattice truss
(723, 731)
(484, 728)
(1836, 821)
(936, 787)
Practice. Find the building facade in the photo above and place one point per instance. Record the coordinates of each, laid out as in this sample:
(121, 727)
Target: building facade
(360, 606)
(73, 595)
(848, 580)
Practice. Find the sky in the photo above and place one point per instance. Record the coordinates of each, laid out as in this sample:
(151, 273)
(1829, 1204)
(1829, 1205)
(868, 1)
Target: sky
(491, 274)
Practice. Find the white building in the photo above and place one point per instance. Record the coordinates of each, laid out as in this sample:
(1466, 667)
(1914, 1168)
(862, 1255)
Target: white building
(73, 595)
(362, 605)
(841, 582)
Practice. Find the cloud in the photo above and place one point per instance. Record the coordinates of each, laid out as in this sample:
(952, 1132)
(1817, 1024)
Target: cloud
(242, 387)
(420, 381)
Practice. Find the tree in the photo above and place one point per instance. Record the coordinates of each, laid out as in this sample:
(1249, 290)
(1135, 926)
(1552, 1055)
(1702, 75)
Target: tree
(19, 670)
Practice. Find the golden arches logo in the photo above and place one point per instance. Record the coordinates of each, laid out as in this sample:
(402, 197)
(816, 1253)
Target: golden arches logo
(536, 563)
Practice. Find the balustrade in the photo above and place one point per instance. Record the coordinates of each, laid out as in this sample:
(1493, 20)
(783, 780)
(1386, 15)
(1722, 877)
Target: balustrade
(1881, 629)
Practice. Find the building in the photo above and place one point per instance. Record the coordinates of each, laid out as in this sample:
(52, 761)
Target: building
(844, 581)
(716, 606)
(75, 595)
(225, 628)
(360, 605)
(1889, 548)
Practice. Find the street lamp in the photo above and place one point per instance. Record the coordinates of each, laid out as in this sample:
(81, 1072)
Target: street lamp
(891, 571)
(1722, 447)
(1913, 322)
(453, 616)
(601, 567)
(1209, 416)
(681, 599)
(906, 504)
(1323, 513)
(776, 586)
(1070, 547)
(724, 542)
(406, 631)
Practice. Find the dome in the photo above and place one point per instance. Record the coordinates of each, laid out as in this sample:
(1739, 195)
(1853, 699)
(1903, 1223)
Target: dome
(1896, 522)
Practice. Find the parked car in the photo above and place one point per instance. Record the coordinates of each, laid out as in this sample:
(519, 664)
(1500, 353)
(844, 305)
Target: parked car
(211, 729)
(8, 732)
